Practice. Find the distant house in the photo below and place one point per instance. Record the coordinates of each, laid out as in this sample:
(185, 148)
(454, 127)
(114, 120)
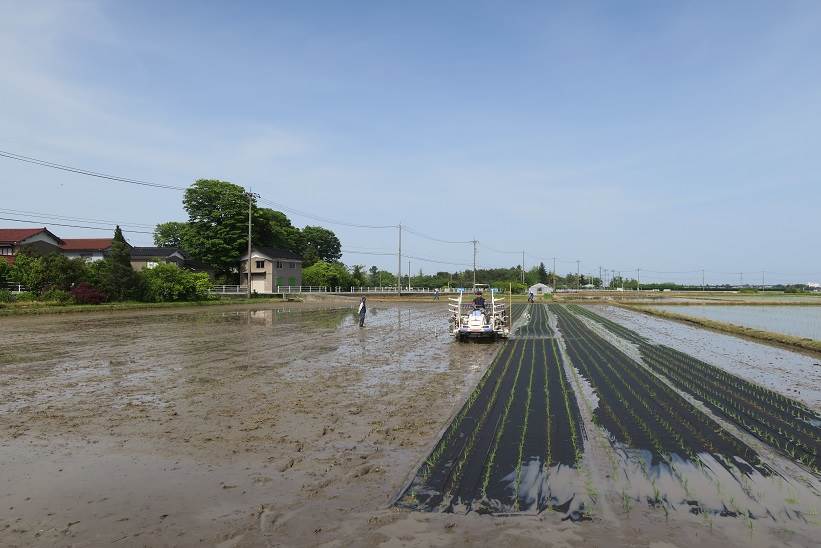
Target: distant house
(90, 249)
(38, 241)
(540, 289)
(149, 257)
(271, 268)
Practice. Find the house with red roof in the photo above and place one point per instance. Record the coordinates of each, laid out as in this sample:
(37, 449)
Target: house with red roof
(90, 249)
(39, 241)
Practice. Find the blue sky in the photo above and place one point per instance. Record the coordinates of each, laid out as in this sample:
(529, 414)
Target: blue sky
(665, 136)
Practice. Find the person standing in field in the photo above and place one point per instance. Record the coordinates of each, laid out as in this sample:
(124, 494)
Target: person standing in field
(362, 310)
(436, 294)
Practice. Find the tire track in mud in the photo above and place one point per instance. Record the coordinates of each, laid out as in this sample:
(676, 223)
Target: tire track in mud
(781, 422)
(518, 428)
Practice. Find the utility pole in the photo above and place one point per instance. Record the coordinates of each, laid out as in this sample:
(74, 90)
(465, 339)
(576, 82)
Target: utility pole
(702, 279)
(554, 273)
(577, 274)
(250, 195)
(638, 279)
(474, 262)
(409, 271)
(600, 280)
(523, 267)
(762, 280)
(399, 267)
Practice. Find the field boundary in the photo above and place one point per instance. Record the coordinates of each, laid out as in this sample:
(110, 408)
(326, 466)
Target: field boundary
(808, 346)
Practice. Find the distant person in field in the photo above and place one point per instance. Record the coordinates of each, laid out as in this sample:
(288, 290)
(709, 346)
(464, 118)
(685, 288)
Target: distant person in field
(479, 301)
(362, 310)
(436, 294)
(530, 298)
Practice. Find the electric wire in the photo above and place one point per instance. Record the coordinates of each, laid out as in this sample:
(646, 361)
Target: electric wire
(77, 226)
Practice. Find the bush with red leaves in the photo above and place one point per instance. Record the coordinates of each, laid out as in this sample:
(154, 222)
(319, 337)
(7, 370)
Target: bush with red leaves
(85, 293)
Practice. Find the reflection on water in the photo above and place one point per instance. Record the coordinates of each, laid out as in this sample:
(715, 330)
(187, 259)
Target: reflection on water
(798, 321)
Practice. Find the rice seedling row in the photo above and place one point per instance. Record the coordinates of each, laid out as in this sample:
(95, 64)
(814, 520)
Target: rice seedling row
(654, 417)
(783, 423)
(521, 423)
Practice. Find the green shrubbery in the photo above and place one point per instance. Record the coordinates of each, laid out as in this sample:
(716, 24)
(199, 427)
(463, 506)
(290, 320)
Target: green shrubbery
(167, 282)
(56, 279)
(56, 296)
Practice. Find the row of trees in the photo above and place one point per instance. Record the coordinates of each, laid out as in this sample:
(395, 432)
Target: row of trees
(55, 277)
(216, 232)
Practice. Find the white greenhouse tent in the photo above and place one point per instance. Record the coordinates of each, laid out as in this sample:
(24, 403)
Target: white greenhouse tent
(540, 289)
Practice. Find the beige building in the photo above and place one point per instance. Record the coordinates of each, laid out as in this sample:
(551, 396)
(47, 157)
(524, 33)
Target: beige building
(271, 268)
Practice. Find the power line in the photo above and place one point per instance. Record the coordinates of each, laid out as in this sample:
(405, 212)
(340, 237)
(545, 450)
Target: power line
(129, 180)
(90, 173)
(494, 250)
(424, 259)
(440, 240)
(75, 226)
(321, 218)
(356, 252)
(65, 218)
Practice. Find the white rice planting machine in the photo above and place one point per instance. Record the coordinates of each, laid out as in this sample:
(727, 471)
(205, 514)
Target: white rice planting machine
(479, 319)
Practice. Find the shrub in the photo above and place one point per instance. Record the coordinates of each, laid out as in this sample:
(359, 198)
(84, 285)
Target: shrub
(167, 282)
(6, 296)
(25, 297)
(85, 293)
(56, 295)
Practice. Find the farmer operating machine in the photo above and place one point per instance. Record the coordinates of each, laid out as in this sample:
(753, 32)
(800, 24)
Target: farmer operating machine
(479, 319)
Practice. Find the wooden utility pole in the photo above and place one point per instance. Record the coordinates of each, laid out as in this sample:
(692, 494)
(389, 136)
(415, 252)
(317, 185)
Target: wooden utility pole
(250, 195)
(474, 262)
(523, 268)
(399, 267)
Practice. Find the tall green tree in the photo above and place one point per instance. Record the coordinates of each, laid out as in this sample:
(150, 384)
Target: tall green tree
(542, 273)
(326, 274)
(28, 271)
(217, 221)
(320, 244)
(274, 229)
(358, 275)
(121, 283)
(171, 234)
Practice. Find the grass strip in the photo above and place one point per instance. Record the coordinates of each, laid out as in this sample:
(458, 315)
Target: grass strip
(779, 339)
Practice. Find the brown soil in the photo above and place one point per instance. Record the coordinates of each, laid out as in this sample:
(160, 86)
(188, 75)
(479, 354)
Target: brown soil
(282, 426)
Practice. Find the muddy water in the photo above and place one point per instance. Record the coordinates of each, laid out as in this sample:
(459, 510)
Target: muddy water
(798, 321)
(206, 426)
(790, 373)
(269, 427)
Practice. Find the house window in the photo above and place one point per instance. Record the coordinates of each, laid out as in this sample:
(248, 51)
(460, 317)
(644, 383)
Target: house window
(279, 264)
(291, 265)
(260, 264)
(5, 250)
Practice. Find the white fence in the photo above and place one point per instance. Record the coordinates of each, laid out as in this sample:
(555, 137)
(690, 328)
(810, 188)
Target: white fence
(292, 289)
(15, 288)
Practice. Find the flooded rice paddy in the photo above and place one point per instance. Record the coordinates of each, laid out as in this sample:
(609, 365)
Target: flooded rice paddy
(798, 321)
(290, 425)
(671, 433)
